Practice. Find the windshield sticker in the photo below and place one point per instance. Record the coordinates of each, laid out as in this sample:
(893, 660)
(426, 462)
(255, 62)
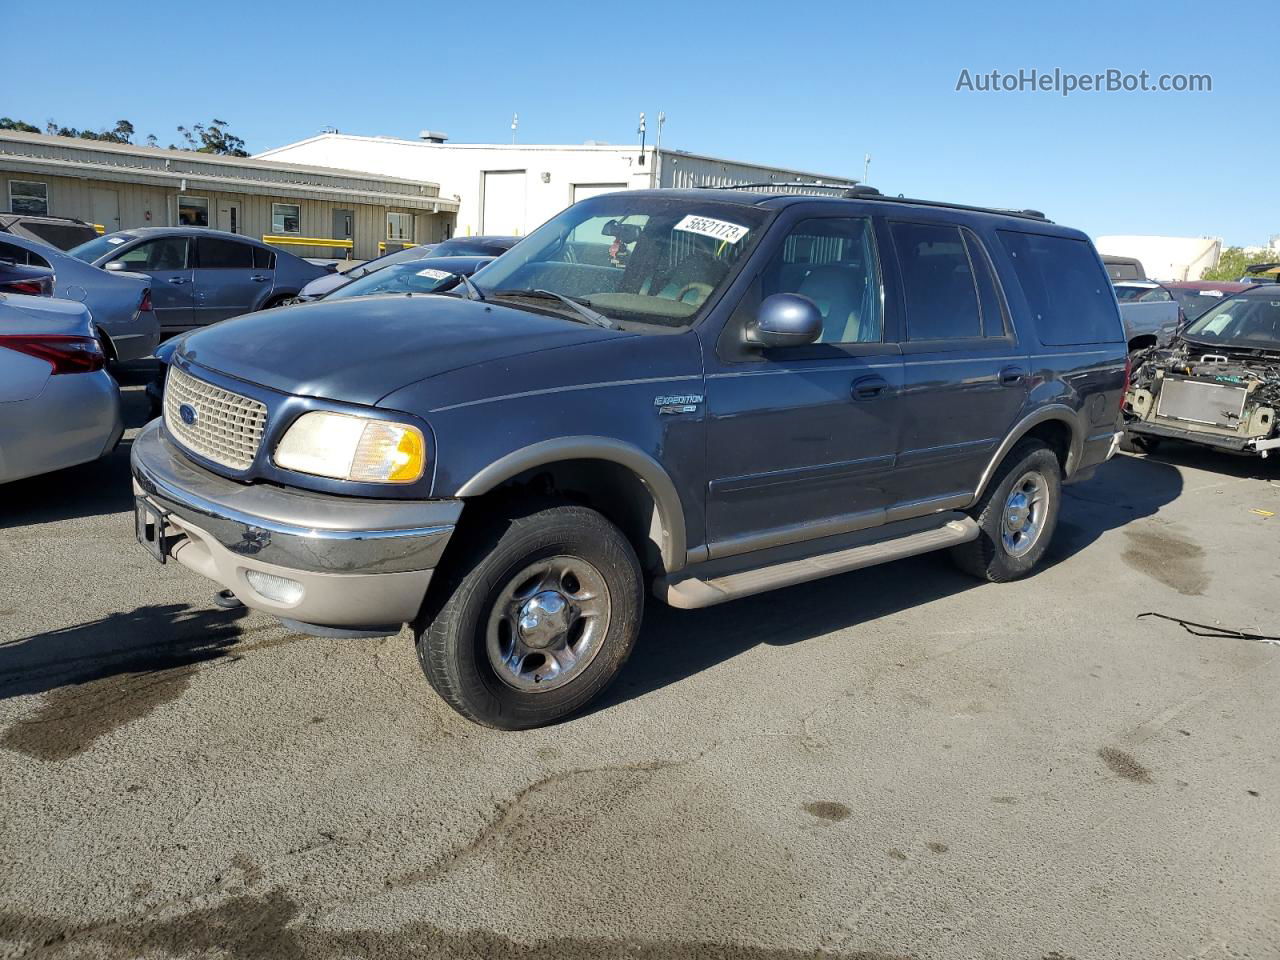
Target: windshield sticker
(433, 274)
(115, 240)
(710, 227)
(1210, 293)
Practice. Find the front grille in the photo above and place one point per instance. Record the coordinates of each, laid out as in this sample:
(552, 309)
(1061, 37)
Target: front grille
(1200, 401)
(225, 427)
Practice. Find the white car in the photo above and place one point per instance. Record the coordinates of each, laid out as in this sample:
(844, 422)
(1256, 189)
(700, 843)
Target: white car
(58, 404)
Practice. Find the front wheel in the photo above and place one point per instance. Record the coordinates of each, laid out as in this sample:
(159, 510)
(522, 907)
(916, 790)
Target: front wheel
(536, 619)
(1016, 516)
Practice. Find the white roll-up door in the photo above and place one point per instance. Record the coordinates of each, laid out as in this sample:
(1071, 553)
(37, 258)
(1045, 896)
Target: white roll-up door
(504, 202)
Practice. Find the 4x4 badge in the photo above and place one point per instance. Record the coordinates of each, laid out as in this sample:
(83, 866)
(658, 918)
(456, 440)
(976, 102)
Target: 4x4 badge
(685, 403)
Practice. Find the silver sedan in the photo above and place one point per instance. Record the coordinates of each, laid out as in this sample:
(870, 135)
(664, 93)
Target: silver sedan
(119, 302)
(58, 404)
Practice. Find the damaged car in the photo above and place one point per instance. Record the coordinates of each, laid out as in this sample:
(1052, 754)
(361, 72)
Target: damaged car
(1217, 384)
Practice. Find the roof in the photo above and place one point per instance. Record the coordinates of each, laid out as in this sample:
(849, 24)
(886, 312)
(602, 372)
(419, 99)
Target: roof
(40, 153)
(186, 231)
(627, 148)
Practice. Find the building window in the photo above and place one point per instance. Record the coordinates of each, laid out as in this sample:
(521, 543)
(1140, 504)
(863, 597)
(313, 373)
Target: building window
(285, 217)
(400, 226)
(28, 196)
(193, 211)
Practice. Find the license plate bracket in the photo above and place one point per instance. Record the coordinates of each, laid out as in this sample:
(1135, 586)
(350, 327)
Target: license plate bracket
(149, 525)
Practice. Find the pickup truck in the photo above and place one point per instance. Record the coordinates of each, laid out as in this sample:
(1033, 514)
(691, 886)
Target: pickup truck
(699, 395)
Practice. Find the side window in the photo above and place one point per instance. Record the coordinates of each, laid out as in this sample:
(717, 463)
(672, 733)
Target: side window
(214, 253)
(833, 263)
(990, 301)
(263, 259)
(941, 297)
(1155, 295)
(167, 253)
(1066, 288)
(22, 256)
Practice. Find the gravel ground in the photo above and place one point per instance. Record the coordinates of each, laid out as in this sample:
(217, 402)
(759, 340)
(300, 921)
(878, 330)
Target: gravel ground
(898, 762)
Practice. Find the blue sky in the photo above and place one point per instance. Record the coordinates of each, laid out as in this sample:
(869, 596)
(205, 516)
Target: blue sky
(815, 91)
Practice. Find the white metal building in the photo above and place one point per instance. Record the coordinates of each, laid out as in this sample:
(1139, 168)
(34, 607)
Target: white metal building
(512, 188)
(1166, 258)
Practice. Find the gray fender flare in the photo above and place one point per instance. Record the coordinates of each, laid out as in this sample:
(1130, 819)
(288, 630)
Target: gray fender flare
(650, 472)
(1054, 411)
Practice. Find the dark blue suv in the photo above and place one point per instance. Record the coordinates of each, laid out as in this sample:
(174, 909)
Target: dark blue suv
(698, 394)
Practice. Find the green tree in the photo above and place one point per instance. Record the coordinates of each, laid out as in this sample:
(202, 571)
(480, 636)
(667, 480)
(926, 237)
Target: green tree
(1232, 263)
(214, 138)
(7, 123)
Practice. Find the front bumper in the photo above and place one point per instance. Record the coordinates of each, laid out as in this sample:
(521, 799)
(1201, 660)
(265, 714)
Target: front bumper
(1254, 446)
(361, 564)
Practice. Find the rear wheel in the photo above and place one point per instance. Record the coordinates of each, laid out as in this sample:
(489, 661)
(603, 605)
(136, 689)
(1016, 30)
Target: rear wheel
(1016, 516)
(535, 620)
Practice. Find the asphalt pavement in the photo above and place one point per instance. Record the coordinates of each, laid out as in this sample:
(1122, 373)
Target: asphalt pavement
(897, 762)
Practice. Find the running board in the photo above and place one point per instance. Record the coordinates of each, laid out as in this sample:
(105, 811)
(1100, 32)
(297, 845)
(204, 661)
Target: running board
(690, 593)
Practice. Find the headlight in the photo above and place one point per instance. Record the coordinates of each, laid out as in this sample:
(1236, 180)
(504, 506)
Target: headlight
(348, 447)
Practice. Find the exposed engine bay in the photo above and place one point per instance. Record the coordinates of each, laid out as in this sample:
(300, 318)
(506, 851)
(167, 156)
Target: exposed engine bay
(1219, 396)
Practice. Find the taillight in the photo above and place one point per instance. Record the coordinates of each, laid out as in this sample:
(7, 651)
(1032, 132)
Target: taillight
(33, 288)
(1128, 373)
(65, 353)
(145, 305)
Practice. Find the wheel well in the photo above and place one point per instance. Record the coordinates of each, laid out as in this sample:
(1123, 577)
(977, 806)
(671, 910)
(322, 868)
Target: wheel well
(1141, 343)
(609, 488)
(1057, 436)
(276, 300)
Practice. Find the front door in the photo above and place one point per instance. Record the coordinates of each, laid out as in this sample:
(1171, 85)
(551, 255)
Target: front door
(167, 261)
(227, 284)
(106, 208)
(801, 441)
(965, 374)
(344, 228)
(229, 216)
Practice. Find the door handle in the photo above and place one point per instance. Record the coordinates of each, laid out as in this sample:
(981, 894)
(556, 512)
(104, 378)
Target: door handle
(177, 280)
(1012, 376)
(259, 279)
(869, 388)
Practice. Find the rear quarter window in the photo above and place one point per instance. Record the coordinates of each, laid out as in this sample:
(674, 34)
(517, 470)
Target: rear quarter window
(1067, 290)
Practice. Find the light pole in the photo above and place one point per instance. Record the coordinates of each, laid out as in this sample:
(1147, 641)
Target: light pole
(515, 122)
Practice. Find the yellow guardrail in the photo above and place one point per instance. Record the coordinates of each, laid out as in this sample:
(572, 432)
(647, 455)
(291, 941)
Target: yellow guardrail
(404, 245)
(308, 241)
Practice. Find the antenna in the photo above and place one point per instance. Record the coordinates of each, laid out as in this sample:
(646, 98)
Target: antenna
(515, 122)
(866, 167)
(641, 131)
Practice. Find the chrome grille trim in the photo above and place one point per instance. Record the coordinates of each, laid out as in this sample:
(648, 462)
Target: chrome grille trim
(228, 427)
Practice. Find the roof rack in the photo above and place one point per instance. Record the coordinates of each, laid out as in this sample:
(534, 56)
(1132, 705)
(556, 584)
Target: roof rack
(861, 191)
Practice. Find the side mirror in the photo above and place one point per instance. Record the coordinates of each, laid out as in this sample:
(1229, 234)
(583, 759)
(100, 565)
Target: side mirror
(785, 320)
(115, 266)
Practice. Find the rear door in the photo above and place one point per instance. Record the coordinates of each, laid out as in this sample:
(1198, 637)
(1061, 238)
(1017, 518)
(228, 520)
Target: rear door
(167, 260)
(227, 282)
(965, 375)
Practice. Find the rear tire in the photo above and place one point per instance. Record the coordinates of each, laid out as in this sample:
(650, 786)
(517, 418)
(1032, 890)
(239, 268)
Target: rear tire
(536, 617)
(1016, 516)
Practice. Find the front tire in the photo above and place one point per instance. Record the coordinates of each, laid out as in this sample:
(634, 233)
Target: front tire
(536, 618)
(1016, 516)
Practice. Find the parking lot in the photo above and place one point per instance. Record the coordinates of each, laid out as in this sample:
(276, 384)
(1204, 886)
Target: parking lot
(895, 762)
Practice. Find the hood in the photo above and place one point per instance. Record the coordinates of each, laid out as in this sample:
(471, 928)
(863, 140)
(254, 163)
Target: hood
(326, 284)
(359, 350)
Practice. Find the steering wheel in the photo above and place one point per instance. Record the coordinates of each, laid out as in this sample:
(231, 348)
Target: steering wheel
(703, 289)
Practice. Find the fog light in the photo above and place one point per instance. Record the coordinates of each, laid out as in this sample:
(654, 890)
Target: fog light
(279, 589)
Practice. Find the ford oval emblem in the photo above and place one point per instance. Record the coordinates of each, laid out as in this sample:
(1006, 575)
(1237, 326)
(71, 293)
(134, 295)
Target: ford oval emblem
(188, 414)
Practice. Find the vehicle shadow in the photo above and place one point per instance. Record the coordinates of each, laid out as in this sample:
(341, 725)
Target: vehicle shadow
(146, 639)
(91, 489)
(1176, 453)
(675, 644)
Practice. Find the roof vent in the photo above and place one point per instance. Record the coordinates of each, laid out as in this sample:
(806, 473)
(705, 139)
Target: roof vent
(431, 136)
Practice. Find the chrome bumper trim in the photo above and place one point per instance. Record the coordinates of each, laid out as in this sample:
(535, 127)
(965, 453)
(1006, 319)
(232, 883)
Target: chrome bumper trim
(191, 493)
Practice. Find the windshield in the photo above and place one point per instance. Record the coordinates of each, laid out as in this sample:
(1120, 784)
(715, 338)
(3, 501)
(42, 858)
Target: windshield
(98, 247)
(414, 277)
(1241, 321)
(648, 260)
(387, 259)
(1196, 302)
(463, 247)
(1127, 294)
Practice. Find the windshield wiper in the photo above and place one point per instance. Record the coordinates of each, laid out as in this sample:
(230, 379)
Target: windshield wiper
(581, 308)
(473, 292)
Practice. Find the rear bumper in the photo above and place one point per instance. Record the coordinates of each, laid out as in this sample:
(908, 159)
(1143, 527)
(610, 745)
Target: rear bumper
(1095, 451)
(75, 419)
(357, 564)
